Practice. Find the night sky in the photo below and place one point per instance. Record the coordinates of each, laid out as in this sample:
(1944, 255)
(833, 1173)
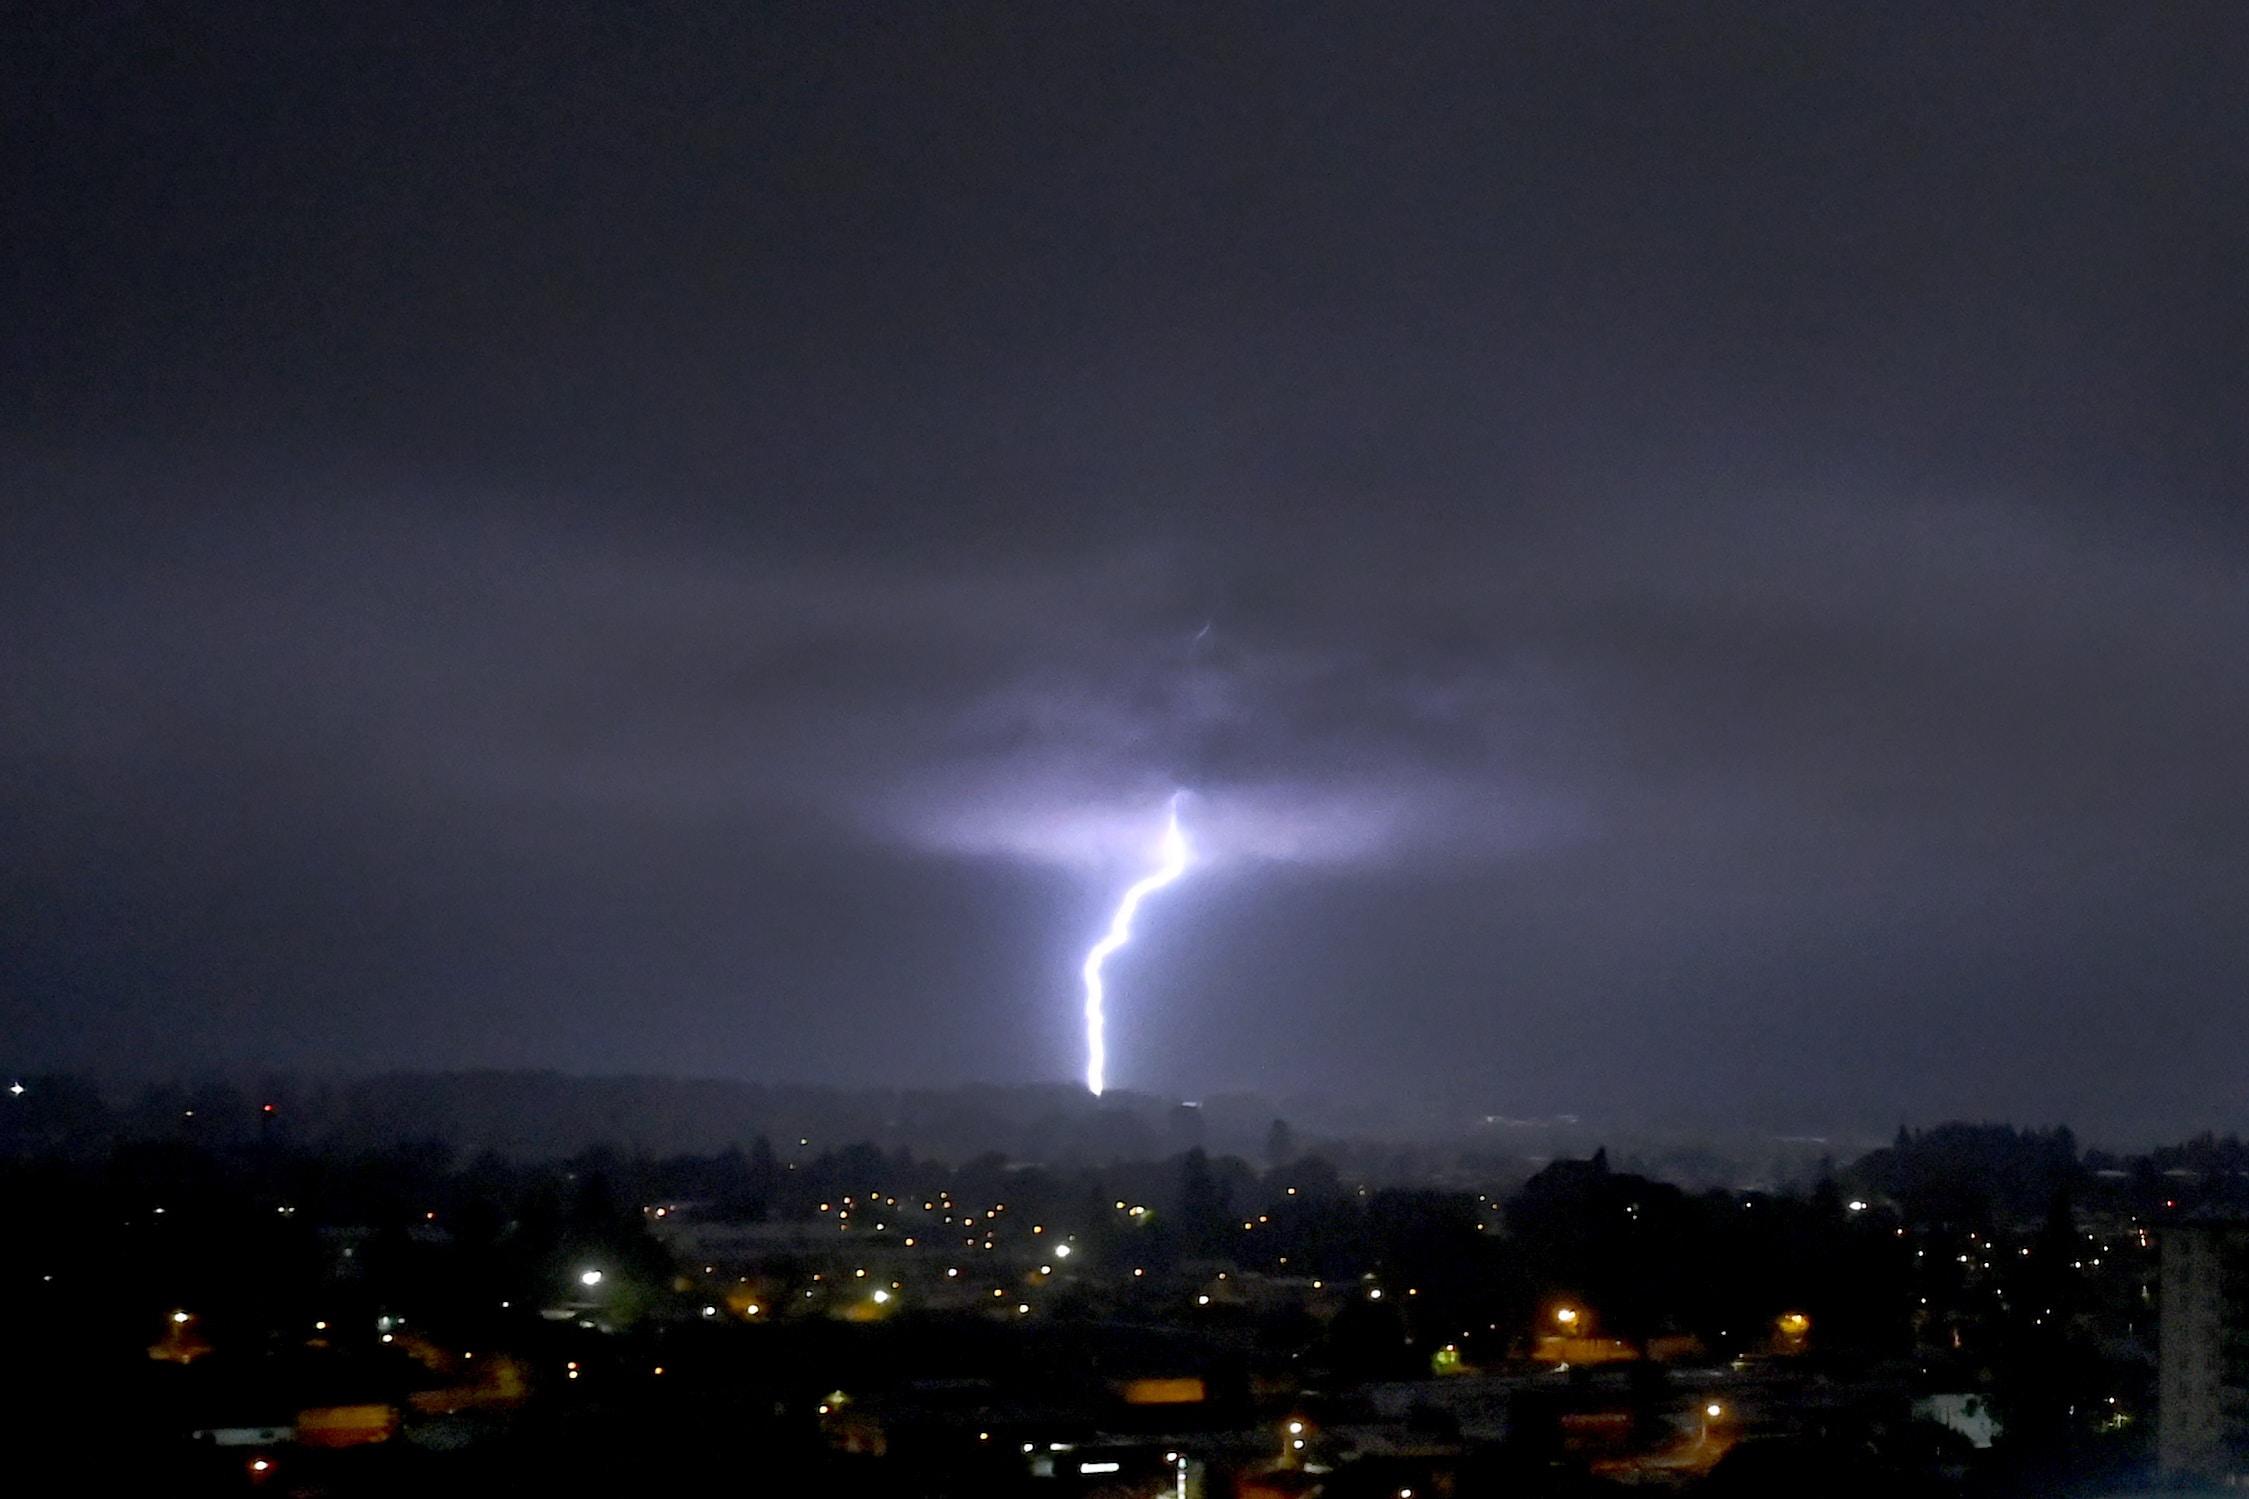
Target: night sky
(1691, 559)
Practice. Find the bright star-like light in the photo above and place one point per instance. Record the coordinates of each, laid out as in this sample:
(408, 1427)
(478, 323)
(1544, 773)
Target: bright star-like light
(1175, 857)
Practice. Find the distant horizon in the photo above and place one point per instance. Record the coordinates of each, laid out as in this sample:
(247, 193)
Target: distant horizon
(1368, 1121)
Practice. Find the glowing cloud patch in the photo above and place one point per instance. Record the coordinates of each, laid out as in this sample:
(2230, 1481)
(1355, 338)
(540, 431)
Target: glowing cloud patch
(1175, 858)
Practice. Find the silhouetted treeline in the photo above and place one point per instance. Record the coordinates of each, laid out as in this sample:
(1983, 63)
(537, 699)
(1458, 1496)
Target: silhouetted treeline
(545, 1116)
(1972, 1175)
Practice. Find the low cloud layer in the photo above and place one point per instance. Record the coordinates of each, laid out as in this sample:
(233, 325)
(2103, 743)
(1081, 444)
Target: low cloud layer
(1818, 678)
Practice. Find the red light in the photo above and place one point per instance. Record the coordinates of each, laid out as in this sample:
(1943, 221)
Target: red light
(269, 1108)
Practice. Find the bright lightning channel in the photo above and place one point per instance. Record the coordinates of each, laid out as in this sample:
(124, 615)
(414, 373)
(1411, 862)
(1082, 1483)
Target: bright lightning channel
(1175, 859)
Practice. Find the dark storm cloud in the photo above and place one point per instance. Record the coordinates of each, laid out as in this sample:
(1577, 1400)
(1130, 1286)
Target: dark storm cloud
(686, 539)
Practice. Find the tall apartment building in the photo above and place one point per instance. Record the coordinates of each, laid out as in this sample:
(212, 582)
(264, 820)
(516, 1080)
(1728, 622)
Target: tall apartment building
(2202, 1385)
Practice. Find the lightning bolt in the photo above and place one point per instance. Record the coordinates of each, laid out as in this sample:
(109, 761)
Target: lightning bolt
(1175, 857)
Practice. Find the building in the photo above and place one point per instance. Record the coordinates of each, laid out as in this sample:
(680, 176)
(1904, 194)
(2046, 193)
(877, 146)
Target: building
(2202, 1390)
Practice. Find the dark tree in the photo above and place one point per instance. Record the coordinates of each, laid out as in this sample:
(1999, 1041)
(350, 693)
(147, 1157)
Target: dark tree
(1280, 1145)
